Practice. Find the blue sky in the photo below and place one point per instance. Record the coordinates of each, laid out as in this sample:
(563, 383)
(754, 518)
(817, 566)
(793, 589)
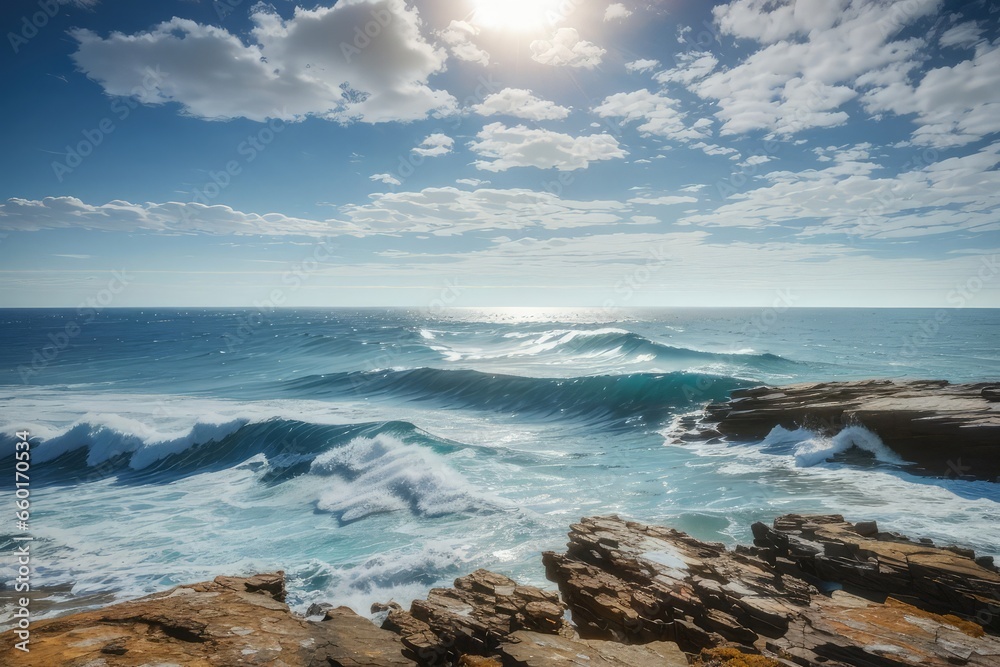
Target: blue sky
(501, 152)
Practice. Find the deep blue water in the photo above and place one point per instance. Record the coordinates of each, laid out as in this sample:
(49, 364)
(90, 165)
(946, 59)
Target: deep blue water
(377, 453)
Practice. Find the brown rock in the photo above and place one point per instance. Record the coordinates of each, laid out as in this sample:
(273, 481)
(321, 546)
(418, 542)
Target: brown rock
(944, 581)
(945, 429)
(473, 617)
(228, 621)
(532, 649)
(635, 583)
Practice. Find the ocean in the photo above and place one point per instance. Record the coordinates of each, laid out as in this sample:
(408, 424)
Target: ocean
(374, 454)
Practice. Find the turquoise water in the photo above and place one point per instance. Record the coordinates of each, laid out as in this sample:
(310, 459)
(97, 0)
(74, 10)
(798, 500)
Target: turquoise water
(374, 454)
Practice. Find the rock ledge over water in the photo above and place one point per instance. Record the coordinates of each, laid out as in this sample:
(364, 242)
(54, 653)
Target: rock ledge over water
(946, 430)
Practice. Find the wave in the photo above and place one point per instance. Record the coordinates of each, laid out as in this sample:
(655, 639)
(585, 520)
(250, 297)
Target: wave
(601, 343)
(385, 474)
(360, 469)
(596, 397)
(810, 448)
(118, 444)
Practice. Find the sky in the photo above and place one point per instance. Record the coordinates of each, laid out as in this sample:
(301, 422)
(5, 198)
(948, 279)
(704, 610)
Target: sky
(437, 153)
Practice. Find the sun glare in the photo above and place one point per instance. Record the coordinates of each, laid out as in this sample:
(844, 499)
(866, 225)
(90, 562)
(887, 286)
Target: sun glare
(517, 15)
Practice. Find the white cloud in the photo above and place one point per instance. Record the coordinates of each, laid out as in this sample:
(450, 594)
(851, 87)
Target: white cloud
(658, 111)
(474, 182)
(755, 160)
(691, 66)
(315, 63)
(814, 50)
(519, 146)
(435, 145)
(567, 49)
(961, 193)
(388, 179)
(168, 218)
(668, 200)
(458, 36)
(616, 10)
(964, 35)
(449, 211)
(520, 103)
(953, 105)
(714, 149)
(642, 65)
(676, 262)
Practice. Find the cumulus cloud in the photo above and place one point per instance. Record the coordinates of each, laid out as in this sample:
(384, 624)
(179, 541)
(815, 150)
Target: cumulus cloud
(616, 10)
(388, 179)
(642, 65)
(168, 218)
(813, 53)
(658, 112)
(319, 63)
(435, 145)
(520, 146)
(953, 105)
(520, 103)
(458, 36)
(567, 49)
(474, 182)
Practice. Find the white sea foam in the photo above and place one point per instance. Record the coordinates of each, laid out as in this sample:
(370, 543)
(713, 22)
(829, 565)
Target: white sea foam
(384, 474)
(811, 448)
(106, 436)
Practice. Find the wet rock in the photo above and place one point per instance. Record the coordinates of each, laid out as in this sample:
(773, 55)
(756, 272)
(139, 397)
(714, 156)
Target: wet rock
(902, 603)
(946, 430)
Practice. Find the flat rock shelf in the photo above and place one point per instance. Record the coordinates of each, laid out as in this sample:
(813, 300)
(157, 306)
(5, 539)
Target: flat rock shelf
(945, 430)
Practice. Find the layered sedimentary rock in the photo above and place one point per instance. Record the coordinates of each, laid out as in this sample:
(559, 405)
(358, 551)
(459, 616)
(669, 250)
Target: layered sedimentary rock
(487, 616)
(474, 617)
(635, 583)
(228, 621)
(812, 591)
(945, 429)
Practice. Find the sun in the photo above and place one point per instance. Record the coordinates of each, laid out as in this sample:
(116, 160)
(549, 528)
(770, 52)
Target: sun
(516, 15)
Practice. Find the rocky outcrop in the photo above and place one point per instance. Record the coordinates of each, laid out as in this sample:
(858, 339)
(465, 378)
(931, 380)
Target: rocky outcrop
(487, 616)
(474, 618)
(815, 591)
(946, 430)
(533, 649)
(630, 582)
(864, 559)
(228, 621)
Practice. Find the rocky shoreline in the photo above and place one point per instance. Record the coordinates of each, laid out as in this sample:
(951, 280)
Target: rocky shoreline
(811, 591)
(945, 430)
